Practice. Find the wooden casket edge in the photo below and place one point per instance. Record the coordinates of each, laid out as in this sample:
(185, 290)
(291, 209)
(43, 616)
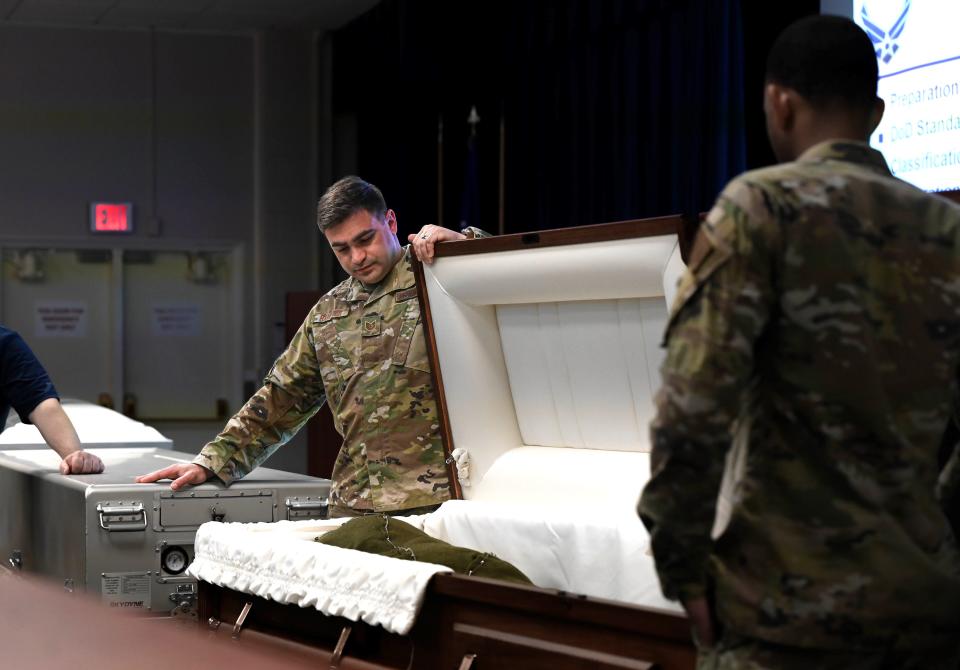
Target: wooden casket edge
(463, 615)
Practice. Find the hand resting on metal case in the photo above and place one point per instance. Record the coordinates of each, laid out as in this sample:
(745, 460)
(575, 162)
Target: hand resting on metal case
(58, 432)
(81, 463)
(182, 474)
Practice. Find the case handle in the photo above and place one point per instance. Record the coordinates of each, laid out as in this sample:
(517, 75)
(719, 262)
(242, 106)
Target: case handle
(318, 505)
(134, 510)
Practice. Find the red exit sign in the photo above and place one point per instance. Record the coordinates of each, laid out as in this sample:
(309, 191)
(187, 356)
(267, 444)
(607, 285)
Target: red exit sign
(111, 217)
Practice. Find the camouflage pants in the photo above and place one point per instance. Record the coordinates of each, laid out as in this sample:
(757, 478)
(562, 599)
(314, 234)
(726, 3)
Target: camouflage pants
(740, 653)
(336, 511)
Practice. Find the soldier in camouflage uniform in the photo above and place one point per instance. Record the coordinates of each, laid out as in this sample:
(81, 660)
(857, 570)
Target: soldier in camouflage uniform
(816, 338)
(361, 348)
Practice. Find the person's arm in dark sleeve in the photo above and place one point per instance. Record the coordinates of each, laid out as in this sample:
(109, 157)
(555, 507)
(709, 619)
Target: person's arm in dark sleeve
(29, 390)
(25, 381)
(722, 307)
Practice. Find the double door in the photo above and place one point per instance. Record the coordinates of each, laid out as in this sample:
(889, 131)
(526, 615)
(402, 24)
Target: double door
(155, 333)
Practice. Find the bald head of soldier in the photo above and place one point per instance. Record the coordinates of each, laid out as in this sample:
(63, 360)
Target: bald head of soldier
(821, 84)
(360, 229)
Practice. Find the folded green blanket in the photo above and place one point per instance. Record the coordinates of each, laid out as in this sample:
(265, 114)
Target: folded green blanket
(388, 536)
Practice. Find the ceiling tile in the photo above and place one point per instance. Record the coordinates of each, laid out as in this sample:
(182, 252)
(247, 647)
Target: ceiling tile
(61, 11)
(216, 14)
(7, 7)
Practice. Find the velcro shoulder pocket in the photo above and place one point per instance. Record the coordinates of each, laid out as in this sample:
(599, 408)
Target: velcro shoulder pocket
(711, 250)
(410, 349)
(330, 311)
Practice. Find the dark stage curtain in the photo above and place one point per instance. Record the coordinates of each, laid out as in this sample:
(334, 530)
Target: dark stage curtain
(613, 109)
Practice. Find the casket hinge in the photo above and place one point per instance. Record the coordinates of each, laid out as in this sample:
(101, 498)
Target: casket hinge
(338, 650)
(240, 620)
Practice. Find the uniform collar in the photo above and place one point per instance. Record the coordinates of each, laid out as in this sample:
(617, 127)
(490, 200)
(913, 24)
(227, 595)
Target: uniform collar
(400, 277)
(846, 150)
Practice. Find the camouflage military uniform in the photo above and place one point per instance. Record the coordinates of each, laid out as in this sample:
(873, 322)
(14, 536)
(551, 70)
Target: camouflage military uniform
(817, 331)
(362, 349)
(737, 653)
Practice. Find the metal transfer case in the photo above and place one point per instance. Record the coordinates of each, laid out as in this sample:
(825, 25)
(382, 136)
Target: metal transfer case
(130, 543)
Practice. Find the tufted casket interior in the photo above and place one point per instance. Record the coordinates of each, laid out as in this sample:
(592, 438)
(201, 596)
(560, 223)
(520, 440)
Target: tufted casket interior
(549, 360)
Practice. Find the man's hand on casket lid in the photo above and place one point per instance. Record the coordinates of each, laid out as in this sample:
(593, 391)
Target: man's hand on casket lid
(429, 235)
(182, 474)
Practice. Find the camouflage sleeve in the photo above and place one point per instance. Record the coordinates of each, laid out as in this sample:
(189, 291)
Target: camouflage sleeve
(722, 306)
(292, 393)
(474, 233)
(948, 488)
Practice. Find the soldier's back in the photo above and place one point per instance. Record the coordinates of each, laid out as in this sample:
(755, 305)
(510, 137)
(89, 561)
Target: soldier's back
(836, 538)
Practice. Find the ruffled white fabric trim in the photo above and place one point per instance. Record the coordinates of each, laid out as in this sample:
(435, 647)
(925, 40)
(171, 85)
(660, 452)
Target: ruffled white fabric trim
(273, 560)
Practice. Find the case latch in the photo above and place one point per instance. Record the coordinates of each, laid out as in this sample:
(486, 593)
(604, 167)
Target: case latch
(307, 508)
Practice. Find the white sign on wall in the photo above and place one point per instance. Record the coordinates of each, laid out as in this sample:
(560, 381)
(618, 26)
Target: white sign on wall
(175, 320)
(60, 319)
(918, 58)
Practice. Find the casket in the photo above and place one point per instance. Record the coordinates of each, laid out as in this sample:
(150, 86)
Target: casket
(545, 350)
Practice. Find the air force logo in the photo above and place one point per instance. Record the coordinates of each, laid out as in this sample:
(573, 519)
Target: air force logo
(885, 42)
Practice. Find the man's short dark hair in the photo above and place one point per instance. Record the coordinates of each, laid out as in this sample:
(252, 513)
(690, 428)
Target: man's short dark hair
(347, 197)
(828, 60)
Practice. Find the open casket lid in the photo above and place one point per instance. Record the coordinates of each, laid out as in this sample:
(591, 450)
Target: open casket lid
(545, 351)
